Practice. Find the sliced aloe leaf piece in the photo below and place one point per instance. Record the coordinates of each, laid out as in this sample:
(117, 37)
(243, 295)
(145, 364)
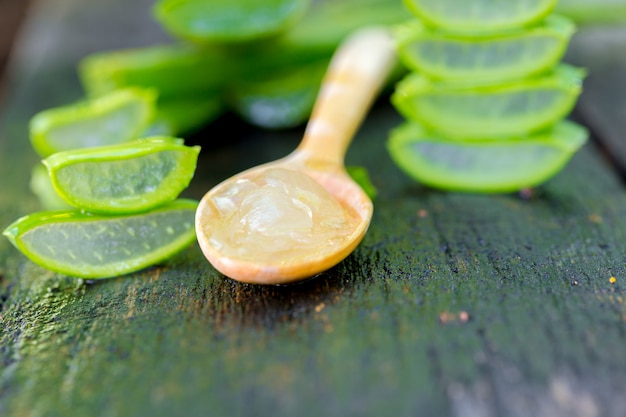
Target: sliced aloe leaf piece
(209, 21)
(203, 71)
(360, 175)
(484, 166)
(92, 246)
(41, 186)
(173, 70)
(280, 100)
(484, 58)
(185, 115)
(468, 111)
(480, 15)
(115, 118)
(586, 12)
(328, 22)
(126, 178)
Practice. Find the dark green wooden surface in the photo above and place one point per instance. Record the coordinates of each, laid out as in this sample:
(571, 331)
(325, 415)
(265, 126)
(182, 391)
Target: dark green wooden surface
(602, 50)
(459, 305)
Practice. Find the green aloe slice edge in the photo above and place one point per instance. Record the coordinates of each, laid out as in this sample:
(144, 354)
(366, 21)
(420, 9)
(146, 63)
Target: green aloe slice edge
(484, 58)
(93, 246)
(228, 20)
(506, 165)
(125, 178)
(474, 112)
(480, 15)
(114, 118)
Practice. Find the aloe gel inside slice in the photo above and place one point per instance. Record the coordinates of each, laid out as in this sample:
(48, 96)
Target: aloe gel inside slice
(228, 20)
(480, 15)
(115, 118)
(468, 111)
(125, 178)
(484, 58)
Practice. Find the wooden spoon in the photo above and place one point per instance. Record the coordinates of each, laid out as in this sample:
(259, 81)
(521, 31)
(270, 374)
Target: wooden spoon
(356, 73)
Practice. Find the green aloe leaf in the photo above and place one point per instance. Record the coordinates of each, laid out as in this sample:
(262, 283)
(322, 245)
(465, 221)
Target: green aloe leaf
(280, 100)
(173, 70)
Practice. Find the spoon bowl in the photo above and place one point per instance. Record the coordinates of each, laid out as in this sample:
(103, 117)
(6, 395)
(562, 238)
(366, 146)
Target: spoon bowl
(293, 218)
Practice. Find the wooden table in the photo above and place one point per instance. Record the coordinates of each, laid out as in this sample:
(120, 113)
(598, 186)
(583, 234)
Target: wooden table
(454, 304)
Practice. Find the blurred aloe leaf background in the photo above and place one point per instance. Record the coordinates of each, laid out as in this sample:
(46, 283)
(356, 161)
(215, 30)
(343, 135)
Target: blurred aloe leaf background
(268, 72)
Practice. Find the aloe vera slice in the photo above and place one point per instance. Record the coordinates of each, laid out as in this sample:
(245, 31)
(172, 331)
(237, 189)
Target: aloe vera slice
(468, 111)
(362, 177)
(41, 185)
(115, 118)
(208, 21)
(173, 70)
(280, 100)
(484, 166)
(93, 246)
(328, 22)
(126, 178)
(181, 71)
(484, 58)
(185, 115)
(480, 15)
(586, 12)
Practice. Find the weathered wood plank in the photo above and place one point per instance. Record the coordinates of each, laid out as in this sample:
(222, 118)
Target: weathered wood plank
(454, 304)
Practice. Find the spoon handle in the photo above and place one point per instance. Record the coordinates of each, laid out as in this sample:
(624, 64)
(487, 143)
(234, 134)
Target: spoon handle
(354, 78)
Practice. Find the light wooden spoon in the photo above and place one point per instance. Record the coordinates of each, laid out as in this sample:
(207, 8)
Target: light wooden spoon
(356, 73)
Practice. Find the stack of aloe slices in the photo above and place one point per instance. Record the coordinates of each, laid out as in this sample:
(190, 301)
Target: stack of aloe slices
(487, 96)
(115, 193)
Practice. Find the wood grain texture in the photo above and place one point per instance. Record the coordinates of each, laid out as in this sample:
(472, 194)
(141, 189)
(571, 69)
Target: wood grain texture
(454, 304)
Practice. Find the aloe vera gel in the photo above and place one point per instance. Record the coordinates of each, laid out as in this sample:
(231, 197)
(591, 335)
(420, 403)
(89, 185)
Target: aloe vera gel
(485, 82)
(279, 214)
